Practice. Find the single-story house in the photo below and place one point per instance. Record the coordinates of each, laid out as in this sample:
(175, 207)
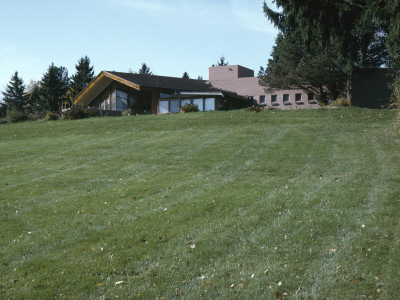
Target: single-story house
(115, 92)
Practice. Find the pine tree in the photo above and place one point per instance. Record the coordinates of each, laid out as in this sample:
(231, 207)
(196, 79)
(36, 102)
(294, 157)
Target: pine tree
(186, 75)
(83, 76)
(14, 95)
(145, 70)
(323, 42)
(53, 88)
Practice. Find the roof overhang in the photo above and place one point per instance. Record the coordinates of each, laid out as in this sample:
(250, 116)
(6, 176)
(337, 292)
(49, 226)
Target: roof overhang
(97, 85)
(194, 93)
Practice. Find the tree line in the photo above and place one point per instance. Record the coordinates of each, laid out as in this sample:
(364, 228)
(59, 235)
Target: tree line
(47, 94)
(321, 44)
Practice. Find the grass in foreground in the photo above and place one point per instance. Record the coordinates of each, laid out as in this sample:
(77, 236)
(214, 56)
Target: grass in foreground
(222, 205)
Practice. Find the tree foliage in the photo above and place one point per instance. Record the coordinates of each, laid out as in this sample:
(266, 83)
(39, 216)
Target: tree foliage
(14, 95)
(83, 76)
(53, 88)
(145, 70)
(332, 38)
(222, 61)
(186, 75)
(32, 96)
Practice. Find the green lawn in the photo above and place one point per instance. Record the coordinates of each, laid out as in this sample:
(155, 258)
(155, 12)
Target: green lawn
(220, 205)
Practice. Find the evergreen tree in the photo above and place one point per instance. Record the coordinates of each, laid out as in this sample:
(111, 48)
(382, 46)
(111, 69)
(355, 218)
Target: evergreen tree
(199, 77)
(145, 70)
(222, 61)
(14, 95)
(292, 67)
(322, 42)
(53, 88)
(186, 75)
(83, 76)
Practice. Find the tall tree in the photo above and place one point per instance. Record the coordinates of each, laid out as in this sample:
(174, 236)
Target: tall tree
(145, 70)
(186, 75)
(53, 88)
(83, 76)
(291, 66)
(222, 61)
(332, 38)
(14, 95)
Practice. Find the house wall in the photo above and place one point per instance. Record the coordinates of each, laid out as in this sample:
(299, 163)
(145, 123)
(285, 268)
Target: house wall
(241, 80)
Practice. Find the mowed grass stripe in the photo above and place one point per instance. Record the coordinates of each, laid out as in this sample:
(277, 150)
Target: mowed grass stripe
(202, 205)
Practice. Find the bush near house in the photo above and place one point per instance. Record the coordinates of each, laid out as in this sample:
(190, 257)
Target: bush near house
(189, 108)
(254, 108)
(50, 116)
(76, 112)
(341, 102)
(14, 116)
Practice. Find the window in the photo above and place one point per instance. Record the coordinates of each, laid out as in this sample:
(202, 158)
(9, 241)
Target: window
(163, 107)
(286, 98)
(107, 103)
(298, 97)
(199, 103)
(262, 99)
(274, 99)
(185, 101)
(209, 104)
(310, 96)
(122, 101)
(163, 95)
(174, 106)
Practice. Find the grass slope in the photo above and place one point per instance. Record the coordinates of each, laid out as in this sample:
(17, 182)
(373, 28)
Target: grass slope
(220, 205)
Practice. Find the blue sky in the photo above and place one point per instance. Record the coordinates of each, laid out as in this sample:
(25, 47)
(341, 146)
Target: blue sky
(171, 37)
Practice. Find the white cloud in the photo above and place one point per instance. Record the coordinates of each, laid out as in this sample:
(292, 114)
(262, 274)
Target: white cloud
(251, 16)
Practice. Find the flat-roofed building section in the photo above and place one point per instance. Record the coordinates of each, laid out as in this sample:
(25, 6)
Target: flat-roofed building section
(241, 80)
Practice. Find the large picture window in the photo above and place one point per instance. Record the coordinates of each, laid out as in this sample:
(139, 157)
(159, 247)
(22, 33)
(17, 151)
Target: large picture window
(199, 103)
(163, 107)
(185, 101)
(174, 106)
(209, 104)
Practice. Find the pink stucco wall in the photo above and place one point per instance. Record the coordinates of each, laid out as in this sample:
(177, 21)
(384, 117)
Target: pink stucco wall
(241, 80)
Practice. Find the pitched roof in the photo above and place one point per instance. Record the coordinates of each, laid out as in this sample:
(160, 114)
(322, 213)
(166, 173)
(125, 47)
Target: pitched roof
(164, 82)
(139, 81)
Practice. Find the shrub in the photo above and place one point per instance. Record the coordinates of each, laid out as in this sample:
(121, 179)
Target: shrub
(51, 116)
(340, 102)
(189, 108)
(92, 112)
(76, 112)
(254, 108)
(127, 112)
(14, 116)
